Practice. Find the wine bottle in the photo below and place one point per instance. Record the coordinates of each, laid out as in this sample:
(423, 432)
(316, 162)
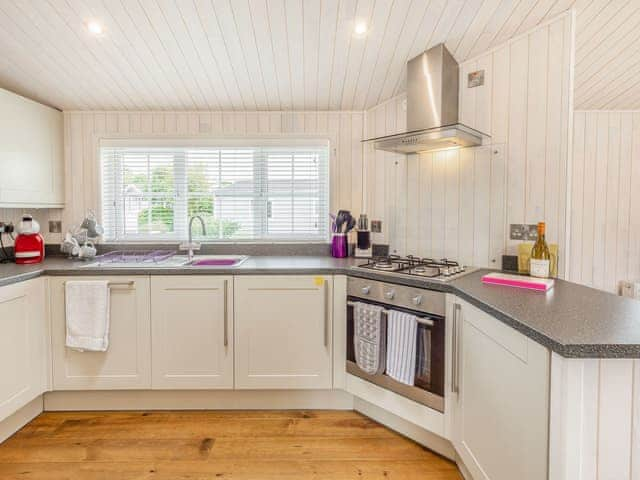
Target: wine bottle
(540, 262)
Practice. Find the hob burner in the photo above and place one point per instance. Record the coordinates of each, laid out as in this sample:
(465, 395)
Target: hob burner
(443, 269)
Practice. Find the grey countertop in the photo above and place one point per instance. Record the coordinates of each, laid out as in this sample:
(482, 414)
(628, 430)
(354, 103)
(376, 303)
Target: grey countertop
(572, 320)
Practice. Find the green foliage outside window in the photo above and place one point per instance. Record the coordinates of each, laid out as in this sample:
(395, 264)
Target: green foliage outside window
(159, 217)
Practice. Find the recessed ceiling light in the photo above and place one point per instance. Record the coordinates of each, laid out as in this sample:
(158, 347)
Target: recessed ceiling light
(94, 27)
(360, 29)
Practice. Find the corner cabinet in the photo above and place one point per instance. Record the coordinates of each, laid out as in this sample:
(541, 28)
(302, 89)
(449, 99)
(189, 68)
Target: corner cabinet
(127, 362)
(31, 135)
(192, 332)
(498, 388)
(283, 329)
(23, 352)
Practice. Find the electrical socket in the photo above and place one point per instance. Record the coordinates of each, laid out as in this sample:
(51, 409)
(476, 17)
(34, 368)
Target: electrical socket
(6, 227)
(523, 232)
(55, 226)
(376, 226)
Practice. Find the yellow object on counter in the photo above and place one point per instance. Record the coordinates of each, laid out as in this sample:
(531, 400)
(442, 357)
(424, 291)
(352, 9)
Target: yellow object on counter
(524, 254)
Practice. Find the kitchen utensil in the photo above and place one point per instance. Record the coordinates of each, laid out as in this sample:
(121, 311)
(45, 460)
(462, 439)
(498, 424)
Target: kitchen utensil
(70, 245)
(351, 224)
(341, 218)
(333, 222)
(90, 224)
(81, 235)
(88, 250)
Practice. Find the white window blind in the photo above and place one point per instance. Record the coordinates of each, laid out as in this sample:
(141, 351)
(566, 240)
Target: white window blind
(252, 193)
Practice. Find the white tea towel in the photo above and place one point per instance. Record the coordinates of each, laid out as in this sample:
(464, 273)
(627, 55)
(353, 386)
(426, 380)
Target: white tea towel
(401, 346)
(87, 315)
(369, 339)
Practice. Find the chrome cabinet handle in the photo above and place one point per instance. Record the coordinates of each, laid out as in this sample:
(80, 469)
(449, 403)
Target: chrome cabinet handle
(226, 315)
(455, 354)
(366, 290)
(390, 294)
(326, 313)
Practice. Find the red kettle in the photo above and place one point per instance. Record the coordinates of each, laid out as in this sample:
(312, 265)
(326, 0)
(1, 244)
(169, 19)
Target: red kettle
(29, 244)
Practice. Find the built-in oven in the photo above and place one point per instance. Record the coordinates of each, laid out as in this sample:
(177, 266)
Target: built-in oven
(428, 308)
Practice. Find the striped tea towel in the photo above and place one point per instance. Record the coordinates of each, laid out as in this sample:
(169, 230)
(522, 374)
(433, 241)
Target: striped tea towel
(401, 346)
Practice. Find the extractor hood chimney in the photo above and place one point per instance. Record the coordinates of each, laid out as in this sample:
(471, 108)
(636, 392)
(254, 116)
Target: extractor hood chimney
(432, 108)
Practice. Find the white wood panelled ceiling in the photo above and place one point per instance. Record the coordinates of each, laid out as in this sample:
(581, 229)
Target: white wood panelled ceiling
(240, 54)
(607, 68)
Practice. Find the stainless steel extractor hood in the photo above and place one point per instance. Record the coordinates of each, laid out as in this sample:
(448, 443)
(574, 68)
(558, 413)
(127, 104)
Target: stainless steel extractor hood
(432, 108)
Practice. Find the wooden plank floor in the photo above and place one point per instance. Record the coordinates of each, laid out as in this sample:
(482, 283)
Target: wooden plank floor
(217, 445)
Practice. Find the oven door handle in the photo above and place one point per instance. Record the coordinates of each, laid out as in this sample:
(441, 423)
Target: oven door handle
(421, 320)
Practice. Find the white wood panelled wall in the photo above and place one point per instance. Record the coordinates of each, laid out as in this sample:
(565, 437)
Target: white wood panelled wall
(595, 413)
(605, 225)
(83, 131)
(459, 203)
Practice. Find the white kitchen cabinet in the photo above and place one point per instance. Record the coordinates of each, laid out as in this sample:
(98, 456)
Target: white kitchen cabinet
(23, 333)
(31, 154)
(499, 395)
(192, 332)
(127, 362)
(283, 332)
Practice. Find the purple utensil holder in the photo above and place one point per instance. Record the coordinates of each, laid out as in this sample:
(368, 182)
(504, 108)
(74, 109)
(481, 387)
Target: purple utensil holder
(339, 247)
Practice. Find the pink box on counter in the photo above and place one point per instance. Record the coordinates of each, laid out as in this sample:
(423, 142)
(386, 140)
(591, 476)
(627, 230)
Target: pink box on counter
(518, 281)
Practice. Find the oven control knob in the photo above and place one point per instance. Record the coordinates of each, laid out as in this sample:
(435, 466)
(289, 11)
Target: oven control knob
(366, 290)
(417, 300)
(390, 294)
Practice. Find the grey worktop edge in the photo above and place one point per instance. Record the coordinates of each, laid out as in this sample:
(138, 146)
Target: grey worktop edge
(21, 277)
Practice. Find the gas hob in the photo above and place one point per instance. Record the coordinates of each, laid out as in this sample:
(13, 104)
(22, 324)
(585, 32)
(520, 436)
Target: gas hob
(442, 270)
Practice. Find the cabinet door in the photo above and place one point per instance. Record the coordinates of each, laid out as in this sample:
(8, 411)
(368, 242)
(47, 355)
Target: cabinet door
(283, 331)
(192, 332)
(22, 345)
(500, 424)
(127, 362)
(30, 136)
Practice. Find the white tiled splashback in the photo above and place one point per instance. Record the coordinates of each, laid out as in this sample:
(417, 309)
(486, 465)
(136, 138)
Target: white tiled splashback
(42, 215)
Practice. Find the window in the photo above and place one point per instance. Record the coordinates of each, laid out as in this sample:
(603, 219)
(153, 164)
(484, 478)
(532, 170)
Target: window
(243, 193)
